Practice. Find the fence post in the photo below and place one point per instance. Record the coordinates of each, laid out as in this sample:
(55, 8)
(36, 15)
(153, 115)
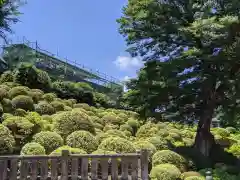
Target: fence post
(209, 175)
(144, 164)
(64, 173)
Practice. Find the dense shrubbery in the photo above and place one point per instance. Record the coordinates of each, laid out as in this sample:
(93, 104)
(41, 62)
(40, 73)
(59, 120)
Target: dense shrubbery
(34, 123)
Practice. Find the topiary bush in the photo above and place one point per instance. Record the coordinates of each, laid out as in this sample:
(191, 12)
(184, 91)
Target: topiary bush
(20, 112)
(167, 156)
(112, 118)
(49, 97)
(23, 102)
(141, 144)
(7, 105)
(83, 140)
(33, 149)
(44, 108)
(165, 172)
(234, 149)
(67, 122)
(188, 174)
(16, 91)
(71, 150)
(7, 76)
(3, 93)
(7, 141)
(36, 95)
(158, 142)
(147, 130)
(195, 178)
(126, 127)
(57, 105)
(117, 144)
(110, 127)
(21, 129)
(49, 140)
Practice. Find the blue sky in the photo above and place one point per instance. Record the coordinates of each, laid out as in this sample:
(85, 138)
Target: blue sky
(81, 30)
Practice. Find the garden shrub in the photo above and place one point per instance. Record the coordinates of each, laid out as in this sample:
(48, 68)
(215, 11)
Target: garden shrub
(96, 119)
(43, 80)
(67, 122)
(165, 172)
(98, 126)
(83, 140)
(134, 124)
(36, 95)
(7, 141)
(67, 108)
(127, 133)
(126, 127)
(221, 131)
(47, 118)
(19, 90)
(112, 118)
(6, 115)
(167, 156)
(49, 97)
(158, 142)
(49, 140)
(110, 127)
(12, 84)
(57, 105)
(190, 174)
(147, 130)
(235, 150)
(82, 105)
(7, 76)
(115, 132)
(3, 93)
(23, 102)
(195, 178)
(44, 108)
(117, 144)
(71, 150)
(140, 145)
(231, 130)
(7, 105)
(188, 141)
(33, 149)
(20, 112)
(21, 129)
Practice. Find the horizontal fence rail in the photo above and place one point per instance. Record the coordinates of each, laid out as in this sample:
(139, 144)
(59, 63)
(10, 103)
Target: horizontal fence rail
(106, 167)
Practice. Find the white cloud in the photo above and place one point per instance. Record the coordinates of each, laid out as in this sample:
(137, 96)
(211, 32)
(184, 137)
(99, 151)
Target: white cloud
(126, 78)
(127, 63)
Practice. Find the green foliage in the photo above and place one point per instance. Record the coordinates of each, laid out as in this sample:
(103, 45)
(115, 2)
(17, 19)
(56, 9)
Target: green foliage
(83, 140)
(117, 144)
(147, 130)
(36, 95)
(111, 118)
(3, 93)
(191, 174)
(45, 108)
(7, 141)
(158, 142)
(58, 106)
(67, 122)
(165, 172)
(7, 76)
(20, 112)
(71, 150)
(126, 127)
(195, 178)
(23, 102)
(32, 149)
(28, 75)
(18, 90)
(235, 150)
(7, 105)
(167, 156)
(141, 145)
(49, 140)
(49, 97)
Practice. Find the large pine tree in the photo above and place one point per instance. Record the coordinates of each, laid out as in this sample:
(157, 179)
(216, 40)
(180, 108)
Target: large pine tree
(201, 41)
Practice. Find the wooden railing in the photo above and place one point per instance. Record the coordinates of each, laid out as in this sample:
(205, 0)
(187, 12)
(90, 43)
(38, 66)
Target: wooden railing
(117, 166)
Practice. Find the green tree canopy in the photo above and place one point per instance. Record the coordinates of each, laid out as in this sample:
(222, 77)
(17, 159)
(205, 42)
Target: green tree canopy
(201, 72)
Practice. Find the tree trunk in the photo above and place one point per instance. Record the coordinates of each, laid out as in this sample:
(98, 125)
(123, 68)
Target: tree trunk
(204, 139)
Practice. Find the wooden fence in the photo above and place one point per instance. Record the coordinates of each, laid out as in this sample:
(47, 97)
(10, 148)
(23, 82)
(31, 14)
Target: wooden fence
(75, 167)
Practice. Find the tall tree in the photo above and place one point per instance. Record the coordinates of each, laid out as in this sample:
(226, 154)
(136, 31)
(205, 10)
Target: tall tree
(201, 40)
(8, 16)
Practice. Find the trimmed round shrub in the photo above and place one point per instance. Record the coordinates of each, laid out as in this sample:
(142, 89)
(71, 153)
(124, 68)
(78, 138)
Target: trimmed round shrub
(167, 156)
(7, 141)
(190, 174)
(96, 119)
(7, 105)
(117, 144)
(165, 172)
(83, 140)
(195, 178)
(6, 76)
(115, 133)
(47, 118)
(71, 150)
(110, 127)
(98, 126)
(221, 131)
(49, 140)
(82, 105)
(20, 112)
(6, 115)
(49, 97)
(126, 127)
(36, 94)
(44, 108)
(140, 145)
(33, 149)
(23, 102)
(3, 93)
(19, 90)
(58, 106)
(158, 142)
(67, 108)
(231, 129)
(235, 150)
(112, 118)
(147, 130)
(67, 122)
